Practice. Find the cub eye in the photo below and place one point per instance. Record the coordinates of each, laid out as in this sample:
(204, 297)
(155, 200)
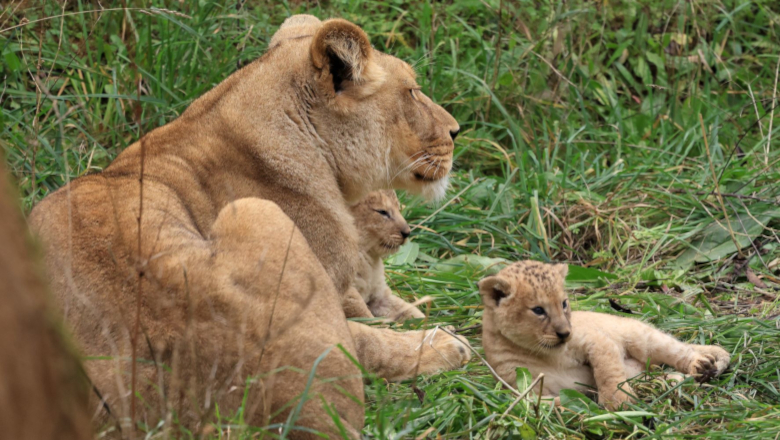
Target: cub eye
(538, 310)
(383, 213)
(565, 303)
(413, 92)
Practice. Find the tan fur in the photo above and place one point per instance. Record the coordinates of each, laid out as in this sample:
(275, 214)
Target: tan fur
(43, 393)
(382, 231)
(576, 350)
(230, 289)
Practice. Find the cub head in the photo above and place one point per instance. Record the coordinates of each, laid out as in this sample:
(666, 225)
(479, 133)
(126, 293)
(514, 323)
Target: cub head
(379, 221)
(528, 304)
(366, 108)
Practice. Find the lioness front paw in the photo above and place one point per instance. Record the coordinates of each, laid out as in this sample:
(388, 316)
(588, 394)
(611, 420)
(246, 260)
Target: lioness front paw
(442, 351)
(708, 362)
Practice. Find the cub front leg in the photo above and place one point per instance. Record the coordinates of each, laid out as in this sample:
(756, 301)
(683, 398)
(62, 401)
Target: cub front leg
(393, 307)
(700, 361)
(399, 356)
(606, 359)
(354, 305)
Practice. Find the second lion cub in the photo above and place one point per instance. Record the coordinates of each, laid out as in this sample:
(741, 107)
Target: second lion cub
(528, 322)
(382, 231)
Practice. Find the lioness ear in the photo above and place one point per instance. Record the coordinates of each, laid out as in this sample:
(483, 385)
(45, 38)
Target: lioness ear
(296, 26)
(563, 269)
(493, 290)
(343, 53)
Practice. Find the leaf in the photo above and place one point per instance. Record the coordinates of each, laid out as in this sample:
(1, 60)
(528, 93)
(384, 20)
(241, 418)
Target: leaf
(524, 379)
(579, 275)
(656, 59)
(505, 79)
(525, 432)
(11, 61)
(644, 71)
(578, 402)
(407, 254)
(619, 415)
(483, 192)
(715, 241)
(476, 264)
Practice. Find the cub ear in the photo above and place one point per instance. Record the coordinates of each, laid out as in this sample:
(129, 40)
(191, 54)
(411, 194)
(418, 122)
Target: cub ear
(343, 53)
(493, 290)
(563, 269)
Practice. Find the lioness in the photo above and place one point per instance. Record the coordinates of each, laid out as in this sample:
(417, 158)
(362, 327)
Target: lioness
(229, 230)
(528, 322)
(382, 231)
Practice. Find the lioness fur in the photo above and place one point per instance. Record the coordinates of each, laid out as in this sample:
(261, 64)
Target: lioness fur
(244, 245)
(382, 230)
(43, 392)
(528, 322)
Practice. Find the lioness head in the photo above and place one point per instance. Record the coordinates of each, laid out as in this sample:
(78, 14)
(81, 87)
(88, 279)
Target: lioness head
(529, 304)
(379, 221)
(365, 110)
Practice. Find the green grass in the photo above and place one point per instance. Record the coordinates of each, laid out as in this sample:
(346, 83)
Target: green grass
(596, 133)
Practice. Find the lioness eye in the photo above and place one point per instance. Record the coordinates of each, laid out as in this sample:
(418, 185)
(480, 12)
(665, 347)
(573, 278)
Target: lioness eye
(565, 303)
(538, 310)
(383, 213)
(411, 92)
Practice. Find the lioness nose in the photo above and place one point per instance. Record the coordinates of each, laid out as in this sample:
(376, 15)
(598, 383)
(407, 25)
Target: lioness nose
(405, 232)
(563, 336)
(454, 133)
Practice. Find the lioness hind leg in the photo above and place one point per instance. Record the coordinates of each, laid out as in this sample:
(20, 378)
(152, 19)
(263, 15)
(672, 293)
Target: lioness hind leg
(291, 291)
(247, 320)
(398, 356)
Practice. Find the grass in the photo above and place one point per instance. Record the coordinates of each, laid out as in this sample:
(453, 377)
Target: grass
(637, 140)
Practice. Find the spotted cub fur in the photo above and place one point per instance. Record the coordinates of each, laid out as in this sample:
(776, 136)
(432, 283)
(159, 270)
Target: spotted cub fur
(528, 322)
(382, 231)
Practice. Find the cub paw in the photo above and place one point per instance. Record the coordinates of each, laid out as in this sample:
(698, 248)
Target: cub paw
(442, 352)
(616, 400)
(408, 313)
(674, 377)
(708, 362)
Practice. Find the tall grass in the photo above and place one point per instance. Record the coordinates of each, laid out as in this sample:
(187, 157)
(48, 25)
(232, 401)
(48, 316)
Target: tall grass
(632, 138)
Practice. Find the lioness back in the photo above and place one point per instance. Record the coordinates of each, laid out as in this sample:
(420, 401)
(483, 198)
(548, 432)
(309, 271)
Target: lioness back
(528, 322)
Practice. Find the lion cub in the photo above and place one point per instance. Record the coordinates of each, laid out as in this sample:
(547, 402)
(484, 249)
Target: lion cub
(528, 322)
(382, 231)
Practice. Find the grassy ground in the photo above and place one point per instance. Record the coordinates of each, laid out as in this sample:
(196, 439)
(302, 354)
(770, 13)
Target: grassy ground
(635, 139)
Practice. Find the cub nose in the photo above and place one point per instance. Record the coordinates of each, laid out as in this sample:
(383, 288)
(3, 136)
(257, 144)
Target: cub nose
(406, 232)
(563, 336)
(454, 133)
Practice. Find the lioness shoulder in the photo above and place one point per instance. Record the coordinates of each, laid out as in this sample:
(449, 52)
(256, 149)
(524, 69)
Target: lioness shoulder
(528, 322)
